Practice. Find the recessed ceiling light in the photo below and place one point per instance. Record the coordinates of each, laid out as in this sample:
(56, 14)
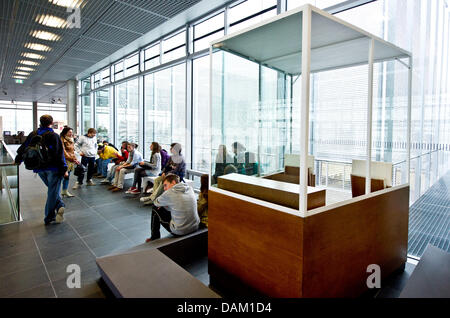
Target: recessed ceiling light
(49, 84)
(24, 68)
(20, 77)
(33, 56)
(51, 21)
(37, 47)
(67, 3)
(26, 62)
(22, 73)
(44, 35)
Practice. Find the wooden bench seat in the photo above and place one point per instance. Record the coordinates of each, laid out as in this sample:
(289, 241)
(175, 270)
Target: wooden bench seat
(282, 193)
(155, 269)
(150, 274)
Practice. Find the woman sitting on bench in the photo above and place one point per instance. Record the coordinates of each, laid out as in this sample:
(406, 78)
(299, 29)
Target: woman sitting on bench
(176, 165)
(134, 157)
(151, 169)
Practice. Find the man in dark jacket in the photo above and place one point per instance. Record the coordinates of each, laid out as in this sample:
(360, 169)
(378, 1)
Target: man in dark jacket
(53, 171)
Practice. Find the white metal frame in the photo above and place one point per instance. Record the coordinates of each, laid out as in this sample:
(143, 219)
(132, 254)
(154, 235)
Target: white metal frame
(307, 11)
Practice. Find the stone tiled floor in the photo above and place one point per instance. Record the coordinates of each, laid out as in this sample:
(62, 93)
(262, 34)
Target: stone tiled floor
(34, 257)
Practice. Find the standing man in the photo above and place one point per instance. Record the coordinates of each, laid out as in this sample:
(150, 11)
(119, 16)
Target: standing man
(51, 167)
(175, 209)
(87, 147)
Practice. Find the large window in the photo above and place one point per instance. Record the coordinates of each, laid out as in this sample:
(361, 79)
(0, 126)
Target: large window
(86, 108)
(127, 111)
(57, 111)
(250, 12)
(208, 30)
(16, 117)
(103, 115)
(165, 107)
(201, 115)
(152, 56)
(174, 47)
(132, 65)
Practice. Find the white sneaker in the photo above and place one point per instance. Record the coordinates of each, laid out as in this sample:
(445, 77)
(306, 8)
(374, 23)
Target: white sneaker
(66, 193)
(104, 181)
(90, 183)
(145, 199)
(76, 185)
(60, 215)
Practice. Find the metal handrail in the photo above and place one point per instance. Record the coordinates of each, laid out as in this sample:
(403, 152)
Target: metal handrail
(10, 153)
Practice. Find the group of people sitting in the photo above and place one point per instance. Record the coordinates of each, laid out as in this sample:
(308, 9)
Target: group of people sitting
(173, 202)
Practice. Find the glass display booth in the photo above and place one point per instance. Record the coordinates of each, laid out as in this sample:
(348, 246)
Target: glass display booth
(283, 106)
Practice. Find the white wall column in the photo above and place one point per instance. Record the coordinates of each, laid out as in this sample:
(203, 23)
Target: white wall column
(72, 105)
(369, 116)
(304, 108)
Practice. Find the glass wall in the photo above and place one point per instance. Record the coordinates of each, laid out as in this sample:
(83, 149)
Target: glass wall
(419, 26)
(127, 111)
(201, 114)
(16, 117)
(103, 115)
(86, 114)
(165, 107)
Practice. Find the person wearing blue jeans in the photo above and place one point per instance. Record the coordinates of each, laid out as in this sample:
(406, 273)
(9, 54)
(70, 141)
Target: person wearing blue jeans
(52, 180)
(51, 170)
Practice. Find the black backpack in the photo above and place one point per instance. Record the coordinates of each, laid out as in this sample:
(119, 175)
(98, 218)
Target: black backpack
(36, 155)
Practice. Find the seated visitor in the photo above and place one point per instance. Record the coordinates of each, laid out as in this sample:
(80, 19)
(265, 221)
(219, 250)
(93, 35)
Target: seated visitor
(202, 202)
(134, 157)
(175, 165)
(106, 154)
(223, 159)
(175, 209)
(120, 158)
(244, 161)
(145, 168)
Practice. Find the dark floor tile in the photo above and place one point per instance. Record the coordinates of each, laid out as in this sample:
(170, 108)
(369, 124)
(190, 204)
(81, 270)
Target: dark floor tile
(93, 228)
(204, 278)
(17, 228)
(110, 236)
(40, 230)
(41, 291)
(138, 237)
(111, 212)
(63, 250)
(57, 269)
(15, 246)
(197, 268)
(56, 238)
(129, 221)
(81, 219)
(23, 280)
(75, 204)
(113, 248)
(388, 292)
(19, 262)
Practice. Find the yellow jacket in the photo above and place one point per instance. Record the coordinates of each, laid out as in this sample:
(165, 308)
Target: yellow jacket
(108, 153)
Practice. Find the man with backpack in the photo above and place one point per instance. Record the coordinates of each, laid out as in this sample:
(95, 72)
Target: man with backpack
(43, 153)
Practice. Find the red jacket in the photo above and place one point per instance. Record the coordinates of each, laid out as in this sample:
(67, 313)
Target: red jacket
(123, 157)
